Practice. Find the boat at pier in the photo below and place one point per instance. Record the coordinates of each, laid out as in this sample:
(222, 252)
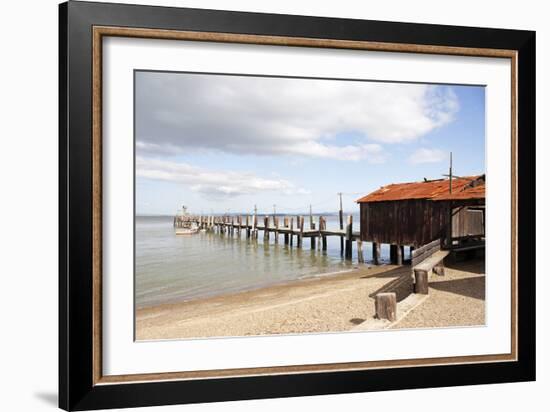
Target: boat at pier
(184, 225)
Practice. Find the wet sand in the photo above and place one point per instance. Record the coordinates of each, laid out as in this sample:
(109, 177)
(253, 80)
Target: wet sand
(332, 303)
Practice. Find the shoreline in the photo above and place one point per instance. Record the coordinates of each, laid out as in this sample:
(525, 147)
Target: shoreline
(252, 289)
(270, 309)
(329, 303)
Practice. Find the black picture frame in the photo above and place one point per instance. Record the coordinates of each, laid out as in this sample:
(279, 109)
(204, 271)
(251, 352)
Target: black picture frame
(77, 390)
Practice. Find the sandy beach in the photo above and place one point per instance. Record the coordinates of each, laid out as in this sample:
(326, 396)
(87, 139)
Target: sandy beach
(456, 299)
(331, 303)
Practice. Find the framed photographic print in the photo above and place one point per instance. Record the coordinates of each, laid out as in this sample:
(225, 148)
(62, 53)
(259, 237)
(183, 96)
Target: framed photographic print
(256, 205)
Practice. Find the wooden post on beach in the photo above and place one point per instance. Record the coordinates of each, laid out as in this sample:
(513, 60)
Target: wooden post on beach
(285, 224)
(349, 237)
(360, 257)
(300, 231)
(386, 306)
(247, 226)
(421, 281)
(376, 253)
(276, 225)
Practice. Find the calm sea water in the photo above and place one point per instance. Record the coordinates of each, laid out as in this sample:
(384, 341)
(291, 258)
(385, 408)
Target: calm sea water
(172, 268)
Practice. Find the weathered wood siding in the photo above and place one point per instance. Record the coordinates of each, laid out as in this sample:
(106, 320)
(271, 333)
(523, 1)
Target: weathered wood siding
(467, 222)
(415, 222)
(412, 222)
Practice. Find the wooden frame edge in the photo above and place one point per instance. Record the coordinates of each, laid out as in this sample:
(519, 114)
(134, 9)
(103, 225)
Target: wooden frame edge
(98, 32)
(97, 229)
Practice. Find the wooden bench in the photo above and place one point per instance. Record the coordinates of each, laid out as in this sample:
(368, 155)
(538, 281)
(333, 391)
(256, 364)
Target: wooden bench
(425, 259)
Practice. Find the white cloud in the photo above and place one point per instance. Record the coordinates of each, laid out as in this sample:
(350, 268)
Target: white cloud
(212, 183)
(348, 120)
(424, 155)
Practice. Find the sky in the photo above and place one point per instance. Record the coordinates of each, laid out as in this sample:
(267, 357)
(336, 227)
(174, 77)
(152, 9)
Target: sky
(225, 144)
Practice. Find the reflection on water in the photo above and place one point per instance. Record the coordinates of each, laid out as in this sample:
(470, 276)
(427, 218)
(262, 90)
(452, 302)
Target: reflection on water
(172, 268)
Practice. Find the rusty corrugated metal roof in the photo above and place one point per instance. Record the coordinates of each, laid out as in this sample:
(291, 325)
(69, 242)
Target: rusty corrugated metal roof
(476, 192)
(431, 189)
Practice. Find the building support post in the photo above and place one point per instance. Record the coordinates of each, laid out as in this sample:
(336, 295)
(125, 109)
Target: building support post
(393, 254)
(376, 253)
(399, 250)
(349, 237)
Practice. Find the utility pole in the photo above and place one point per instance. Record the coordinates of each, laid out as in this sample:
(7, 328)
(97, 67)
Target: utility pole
(449, 235)
(341, 218)
(451, 173)
(274, 210)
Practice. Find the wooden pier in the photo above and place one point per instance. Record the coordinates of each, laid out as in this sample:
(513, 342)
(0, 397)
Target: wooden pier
(292, 229)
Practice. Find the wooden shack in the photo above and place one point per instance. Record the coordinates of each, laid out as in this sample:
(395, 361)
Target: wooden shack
(417, 213)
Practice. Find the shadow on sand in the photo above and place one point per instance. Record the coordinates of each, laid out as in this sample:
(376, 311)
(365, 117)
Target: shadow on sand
(470, 287)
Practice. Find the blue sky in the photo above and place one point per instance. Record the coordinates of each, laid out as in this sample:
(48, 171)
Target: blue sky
(226, 143)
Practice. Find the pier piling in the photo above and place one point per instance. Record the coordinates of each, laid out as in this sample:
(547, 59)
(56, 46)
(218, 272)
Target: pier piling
(317, 231)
